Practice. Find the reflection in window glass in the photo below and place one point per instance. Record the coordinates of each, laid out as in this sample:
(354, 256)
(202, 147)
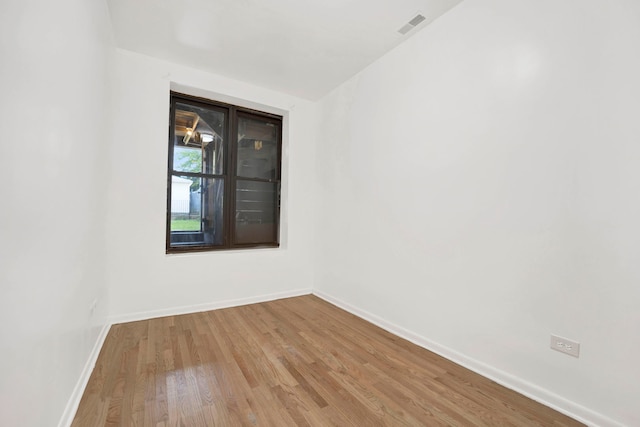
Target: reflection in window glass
(256, 212)
(257, 148)
(198, 140)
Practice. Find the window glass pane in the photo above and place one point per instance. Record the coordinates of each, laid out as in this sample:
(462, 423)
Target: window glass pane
(198, 144)
(256, 212)
(257, 148)
(196, 211)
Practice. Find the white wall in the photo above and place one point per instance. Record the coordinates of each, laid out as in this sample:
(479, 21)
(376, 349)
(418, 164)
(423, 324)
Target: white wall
(483, 184)
(54, 114)
(143, 280)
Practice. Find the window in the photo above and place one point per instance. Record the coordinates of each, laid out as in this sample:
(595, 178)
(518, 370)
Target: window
(223, 180)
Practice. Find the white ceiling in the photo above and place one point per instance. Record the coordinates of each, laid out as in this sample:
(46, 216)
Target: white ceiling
(301, 47)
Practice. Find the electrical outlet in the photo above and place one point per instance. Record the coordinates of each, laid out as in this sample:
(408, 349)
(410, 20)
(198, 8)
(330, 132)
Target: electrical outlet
(564, 345)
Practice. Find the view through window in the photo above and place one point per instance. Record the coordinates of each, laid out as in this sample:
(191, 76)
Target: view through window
(224, 176)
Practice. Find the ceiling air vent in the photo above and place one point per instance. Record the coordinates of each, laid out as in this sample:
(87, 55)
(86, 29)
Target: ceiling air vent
(411, 24)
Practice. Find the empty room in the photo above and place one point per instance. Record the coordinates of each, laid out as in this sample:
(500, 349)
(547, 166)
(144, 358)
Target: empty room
(338, 212)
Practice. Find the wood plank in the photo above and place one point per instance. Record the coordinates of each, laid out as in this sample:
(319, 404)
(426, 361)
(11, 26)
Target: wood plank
(297, 361)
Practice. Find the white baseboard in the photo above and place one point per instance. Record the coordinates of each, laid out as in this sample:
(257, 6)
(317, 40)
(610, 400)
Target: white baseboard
(172, 311)
(78, 390)
(547, 398)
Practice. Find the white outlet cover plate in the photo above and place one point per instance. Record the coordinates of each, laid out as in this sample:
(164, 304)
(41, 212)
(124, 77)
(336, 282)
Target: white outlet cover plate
(565, 345)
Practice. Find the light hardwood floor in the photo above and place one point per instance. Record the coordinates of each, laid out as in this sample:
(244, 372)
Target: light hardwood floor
(297, 361)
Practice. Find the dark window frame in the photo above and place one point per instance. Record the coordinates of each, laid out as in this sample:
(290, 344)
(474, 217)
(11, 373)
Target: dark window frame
(233, 114)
